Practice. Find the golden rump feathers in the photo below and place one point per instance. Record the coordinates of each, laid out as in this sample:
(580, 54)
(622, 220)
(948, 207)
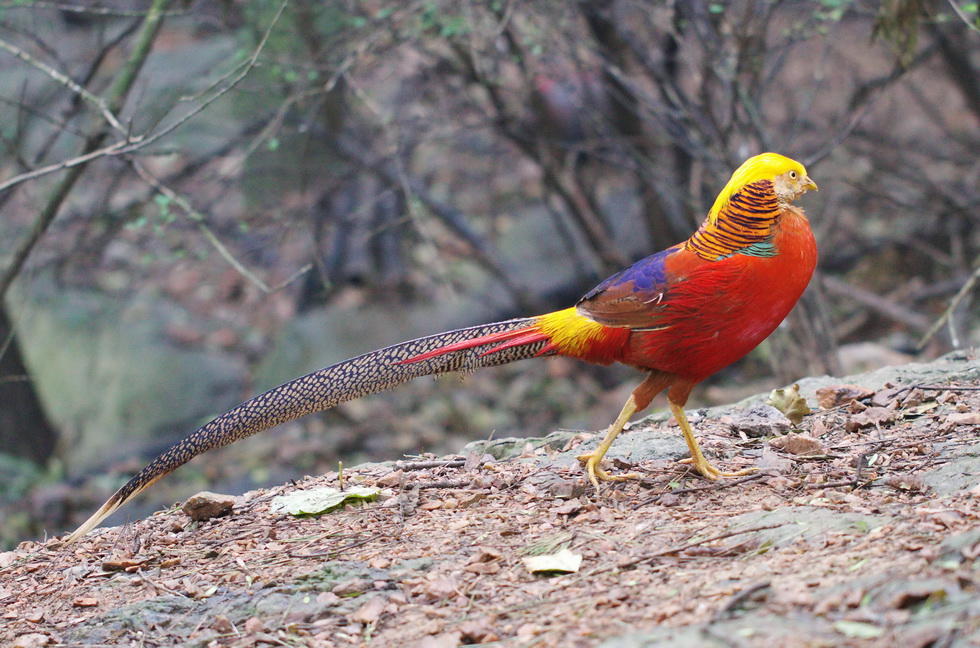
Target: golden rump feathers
(765, 166)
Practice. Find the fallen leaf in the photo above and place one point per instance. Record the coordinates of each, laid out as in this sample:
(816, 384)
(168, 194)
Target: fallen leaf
(858, 630)
(352, 587)
(830, 397)
(887, 396)
(317, 501)
(912, 483)
(446, 640)
(253, 625)
(564, 562)
(798, 444)
(483, 568)
(772, 463)
(86, 601)
(478, 631)
(790, 402)
(963, 418)
(223, 624)
(439, 587)
(870, 416)
(919, 410)
(370, 611)
(119, 564)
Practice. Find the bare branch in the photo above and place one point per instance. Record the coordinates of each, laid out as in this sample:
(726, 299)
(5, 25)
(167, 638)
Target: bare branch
(98, 102)
(199, 219)
(115, 97)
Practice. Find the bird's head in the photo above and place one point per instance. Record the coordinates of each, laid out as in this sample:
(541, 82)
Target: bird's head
(789, 179)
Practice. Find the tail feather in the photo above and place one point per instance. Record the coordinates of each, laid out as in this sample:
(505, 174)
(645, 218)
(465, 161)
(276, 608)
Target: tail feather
(459, 350)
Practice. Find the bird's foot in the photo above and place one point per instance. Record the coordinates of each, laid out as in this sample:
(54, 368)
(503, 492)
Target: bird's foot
(597, 474)
(704, 467)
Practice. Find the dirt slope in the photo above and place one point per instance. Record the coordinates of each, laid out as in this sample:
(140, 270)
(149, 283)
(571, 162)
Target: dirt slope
(861, 530)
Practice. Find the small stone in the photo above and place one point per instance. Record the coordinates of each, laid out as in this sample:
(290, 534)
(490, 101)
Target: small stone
(206, 505)
(762, 421)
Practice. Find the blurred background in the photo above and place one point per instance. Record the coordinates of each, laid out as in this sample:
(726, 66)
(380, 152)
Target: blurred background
(200, 200)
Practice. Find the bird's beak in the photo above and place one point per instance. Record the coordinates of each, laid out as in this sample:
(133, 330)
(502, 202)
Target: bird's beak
(809, 184)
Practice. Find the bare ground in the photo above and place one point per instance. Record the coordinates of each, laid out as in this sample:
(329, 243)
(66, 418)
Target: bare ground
(860, 531)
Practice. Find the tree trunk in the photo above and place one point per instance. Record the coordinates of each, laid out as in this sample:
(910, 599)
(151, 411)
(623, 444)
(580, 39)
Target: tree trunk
(24, 428)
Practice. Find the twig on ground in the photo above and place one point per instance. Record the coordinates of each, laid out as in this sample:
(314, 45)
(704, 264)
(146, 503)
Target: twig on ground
(331, 553)
(847, 482)
(727, 610)
(696, 489)
(422, 465)
(688, 545)
(449, 483)
(946, 388)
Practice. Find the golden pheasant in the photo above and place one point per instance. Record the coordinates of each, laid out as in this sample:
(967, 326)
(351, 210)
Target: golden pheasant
(679, 315)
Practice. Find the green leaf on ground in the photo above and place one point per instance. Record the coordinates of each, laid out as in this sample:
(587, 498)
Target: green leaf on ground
(317, 501)
(858, 630)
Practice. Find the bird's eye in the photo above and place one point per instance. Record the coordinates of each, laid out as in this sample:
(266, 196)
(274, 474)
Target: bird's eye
(792, 174)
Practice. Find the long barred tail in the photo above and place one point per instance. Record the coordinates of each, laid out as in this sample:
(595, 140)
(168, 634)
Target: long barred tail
(463, 349)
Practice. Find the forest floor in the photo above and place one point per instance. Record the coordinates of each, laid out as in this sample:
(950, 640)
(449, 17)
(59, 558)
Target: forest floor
(861, 529)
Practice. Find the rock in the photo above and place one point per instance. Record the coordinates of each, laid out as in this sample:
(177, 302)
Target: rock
(761, 421)
(32, 640)
(206, 505)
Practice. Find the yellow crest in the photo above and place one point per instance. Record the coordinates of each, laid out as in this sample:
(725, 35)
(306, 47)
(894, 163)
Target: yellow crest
(764, 166)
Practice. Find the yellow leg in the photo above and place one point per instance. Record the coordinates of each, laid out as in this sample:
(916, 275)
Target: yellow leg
(697, 459)
(592, 459)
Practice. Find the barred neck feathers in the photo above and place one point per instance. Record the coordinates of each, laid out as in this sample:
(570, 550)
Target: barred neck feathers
(741, 225)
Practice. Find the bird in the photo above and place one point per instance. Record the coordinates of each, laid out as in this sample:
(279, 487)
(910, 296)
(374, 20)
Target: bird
(679, 315)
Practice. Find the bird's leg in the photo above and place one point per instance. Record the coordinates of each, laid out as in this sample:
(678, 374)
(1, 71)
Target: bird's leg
(652, 385)
(698, 460)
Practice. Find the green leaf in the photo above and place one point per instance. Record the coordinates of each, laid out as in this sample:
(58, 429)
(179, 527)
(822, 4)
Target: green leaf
(858, 630)
(317, 501)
